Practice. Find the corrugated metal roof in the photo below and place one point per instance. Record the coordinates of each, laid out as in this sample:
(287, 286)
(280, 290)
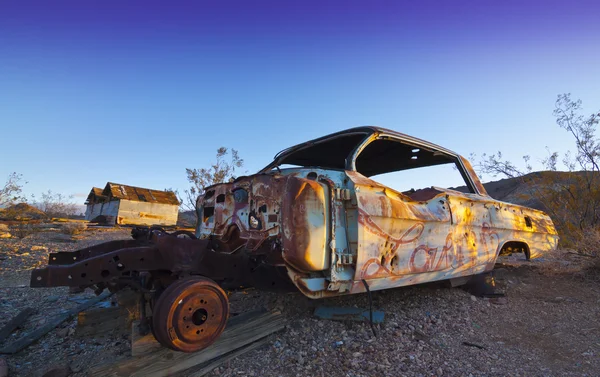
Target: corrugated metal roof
(94, 194)
(139, 194)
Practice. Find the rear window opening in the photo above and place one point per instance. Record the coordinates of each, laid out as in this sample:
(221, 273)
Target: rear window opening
(408, 169)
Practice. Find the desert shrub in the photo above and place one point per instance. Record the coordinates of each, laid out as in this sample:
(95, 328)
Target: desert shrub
(11, 191)
(56, 204)
(574, 201)
(220, 171)
(23, 230)
(588, 242)
(72, 229)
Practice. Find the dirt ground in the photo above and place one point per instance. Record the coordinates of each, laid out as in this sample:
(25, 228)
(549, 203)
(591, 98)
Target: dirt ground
(548, 324)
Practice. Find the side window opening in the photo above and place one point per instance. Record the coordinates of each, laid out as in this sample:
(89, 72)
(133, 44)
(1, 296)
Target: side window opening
(411, 170)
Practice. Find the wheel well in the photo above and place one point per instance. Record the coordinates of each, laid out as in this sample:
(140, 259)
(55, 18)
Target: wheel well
(511, 247)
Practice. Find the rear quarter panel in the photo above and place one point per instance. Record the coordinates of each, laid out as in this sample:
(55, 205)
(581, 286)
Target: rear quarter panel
(403, 242)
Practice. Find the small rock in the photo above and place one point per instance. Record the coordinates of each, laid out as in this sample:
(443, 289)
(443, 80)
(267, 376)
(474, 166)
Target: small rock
(59, 371)
(499, 300)
(473, 298)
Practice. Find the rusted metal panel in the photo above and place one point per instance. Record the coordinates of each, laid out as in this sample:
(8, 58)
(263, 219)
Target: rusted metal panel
(93, 210)
(306, 224)
(108, 209)
(472, 177)
(399, 236)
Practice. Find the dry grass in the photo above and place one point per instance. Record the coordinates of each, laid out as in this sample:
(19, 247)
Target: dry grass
(570, 263)
(588, 242)
(589, 246)
(23, 230)
(72, 229)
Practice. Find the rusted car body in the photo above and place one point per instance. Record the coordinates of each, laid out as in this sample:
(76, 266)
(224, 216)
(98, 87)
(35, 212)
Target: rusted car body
(321, 225)
(331, 226)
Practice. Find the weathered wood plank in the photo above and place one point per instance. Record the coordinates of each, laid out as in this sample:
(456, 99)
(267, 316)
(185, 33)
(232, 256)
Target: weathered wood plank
(33, 336)
(17, 321)
(201, 370)
(142, 344)
(102, 321)
(147, 344)
(166, 362)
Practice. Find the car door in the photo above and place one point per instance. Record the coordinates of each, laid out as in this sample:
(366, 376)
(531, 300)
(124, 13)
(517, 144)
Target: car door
(398, 235)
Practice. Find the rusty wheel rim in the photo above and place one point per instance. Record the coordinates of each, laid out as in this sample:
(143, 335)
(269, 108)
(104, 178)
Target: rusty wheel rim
(190, 314)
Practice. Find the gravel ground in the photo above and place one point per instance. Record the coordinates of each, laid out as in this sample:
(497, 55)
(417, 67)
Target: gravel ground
(547, 325)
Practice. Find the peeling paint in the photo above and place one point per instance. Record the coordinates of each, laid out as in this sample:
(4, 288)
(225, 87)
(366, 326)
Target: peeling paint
(325, 226)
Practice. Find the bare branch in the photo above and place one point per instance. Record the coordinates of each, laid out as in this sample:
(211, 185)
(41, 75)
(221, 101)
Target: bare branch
(573, 201)
(222, 170)
(10, 193)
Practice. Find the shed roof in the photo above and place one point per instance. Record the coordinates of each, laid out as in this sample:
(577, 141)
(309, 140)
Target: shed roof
(139, 194)
(95, 192)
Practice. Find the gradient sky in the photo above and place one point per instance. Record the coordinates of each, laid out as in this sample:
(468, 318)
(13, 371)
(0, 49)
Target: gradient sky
(136, 91)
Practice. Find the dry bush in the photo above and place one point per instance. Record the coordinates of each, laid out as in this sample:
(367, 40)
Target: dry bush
(220, 171)
(72, 229)
(4, 228)
(56, 204)
(573, 202)
(11, 191)
(23, 230)
(589, 245)
(588, 242)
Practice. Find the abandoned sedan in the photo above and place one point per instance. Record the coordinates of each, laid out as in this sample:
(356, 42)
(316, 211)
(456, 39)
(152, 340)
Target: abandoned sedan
(317, 219)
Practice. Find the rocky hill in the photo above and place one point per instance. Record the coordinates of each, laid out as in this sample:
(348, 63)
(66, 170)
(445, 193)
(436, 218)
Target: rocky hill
(521, 190)
(22, 211)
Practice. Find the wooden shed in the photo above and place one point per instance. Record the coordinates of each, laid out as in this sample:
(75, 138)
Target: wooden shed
(130, 205)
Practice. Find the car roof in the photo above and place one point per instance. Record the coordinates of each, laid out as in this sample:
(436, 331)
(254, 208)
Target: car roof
(367, 130)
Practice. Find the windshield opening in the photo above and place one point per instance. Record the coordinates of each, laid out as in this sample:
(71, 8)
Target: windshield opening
(330, 153)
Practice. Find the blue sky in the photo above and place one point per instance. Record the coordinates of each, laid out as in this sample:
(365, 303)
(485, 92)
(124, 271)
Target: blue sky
(136, 91)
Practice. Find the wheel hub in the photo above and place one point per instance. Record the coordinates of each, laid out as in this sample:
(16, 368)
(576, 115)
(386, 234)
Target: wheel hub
(190, 314)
